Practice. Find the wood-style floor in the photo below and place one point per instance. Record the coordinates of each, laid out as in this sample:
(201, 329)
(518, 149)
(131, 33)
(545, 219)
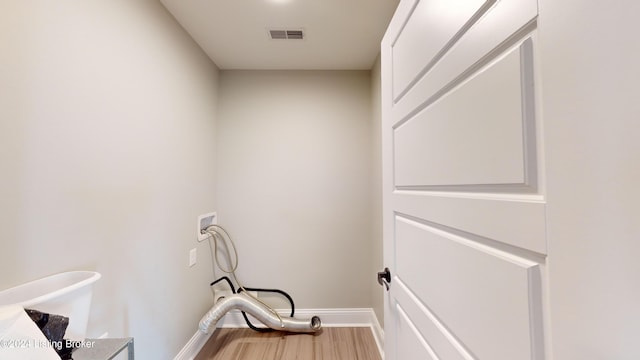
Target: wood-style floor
(328, 344)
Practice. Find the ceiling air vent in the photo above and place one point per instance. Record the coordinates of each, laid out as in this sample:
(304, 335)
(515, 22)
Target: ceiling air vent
(286, 34)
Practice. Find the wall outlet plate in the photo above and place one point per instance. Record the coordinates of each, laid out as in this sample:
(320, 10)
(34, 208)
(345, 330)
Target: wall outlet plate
(193, 257)
(205, 220)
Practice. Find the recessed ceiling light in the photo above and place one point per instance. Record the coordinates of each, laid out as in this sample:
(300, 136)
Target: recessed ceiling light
(280, 1)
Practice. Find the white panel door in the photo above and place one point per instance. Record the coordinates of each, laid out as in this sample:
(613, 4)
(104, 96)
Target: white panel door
(511, 165)
(464, 208)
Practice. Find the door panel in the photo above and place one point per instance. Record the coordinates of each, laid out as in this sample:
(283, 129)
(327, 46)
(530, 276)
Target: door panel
(480, 143)
(442, 341)
(470, 286)
(432, 27)
(464, 220)
(502, 27)
(411, 345)
(525, 228)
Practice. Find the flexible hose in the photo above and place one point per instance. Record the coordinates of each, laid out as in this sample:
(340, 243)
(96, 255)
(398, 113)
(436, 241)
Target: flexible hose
(233, 266)
(258, 310)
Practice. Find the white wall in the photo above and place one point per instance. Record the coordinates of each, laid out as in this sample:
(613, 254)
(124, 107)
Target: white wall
(589, 65)
(295, 185)
(107, 129)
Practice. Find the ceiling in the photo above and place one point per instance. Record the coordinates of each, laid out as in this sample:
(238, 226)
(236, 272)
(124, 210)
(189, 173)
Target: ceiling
(338, 34)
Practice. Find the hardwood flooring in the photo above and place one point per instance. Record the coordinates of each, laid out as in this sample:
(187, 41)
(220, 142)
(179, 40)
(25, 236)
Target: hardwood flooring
(329, 344)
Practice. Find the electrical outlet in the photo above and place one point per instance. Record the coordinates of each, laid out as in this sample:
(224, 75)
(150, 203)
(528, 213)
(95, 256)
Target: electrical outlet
(193, 256)
(205, 220)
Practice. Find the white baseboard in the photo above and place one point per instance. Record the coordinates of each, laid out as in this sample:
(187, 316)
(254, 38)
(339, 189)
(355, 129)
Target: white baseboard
(378, 333)
(193, 346)
(330, 318)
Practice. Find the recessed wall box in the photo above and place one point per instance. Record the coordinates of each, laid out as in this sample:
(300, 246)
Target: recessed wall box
(204, 221)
